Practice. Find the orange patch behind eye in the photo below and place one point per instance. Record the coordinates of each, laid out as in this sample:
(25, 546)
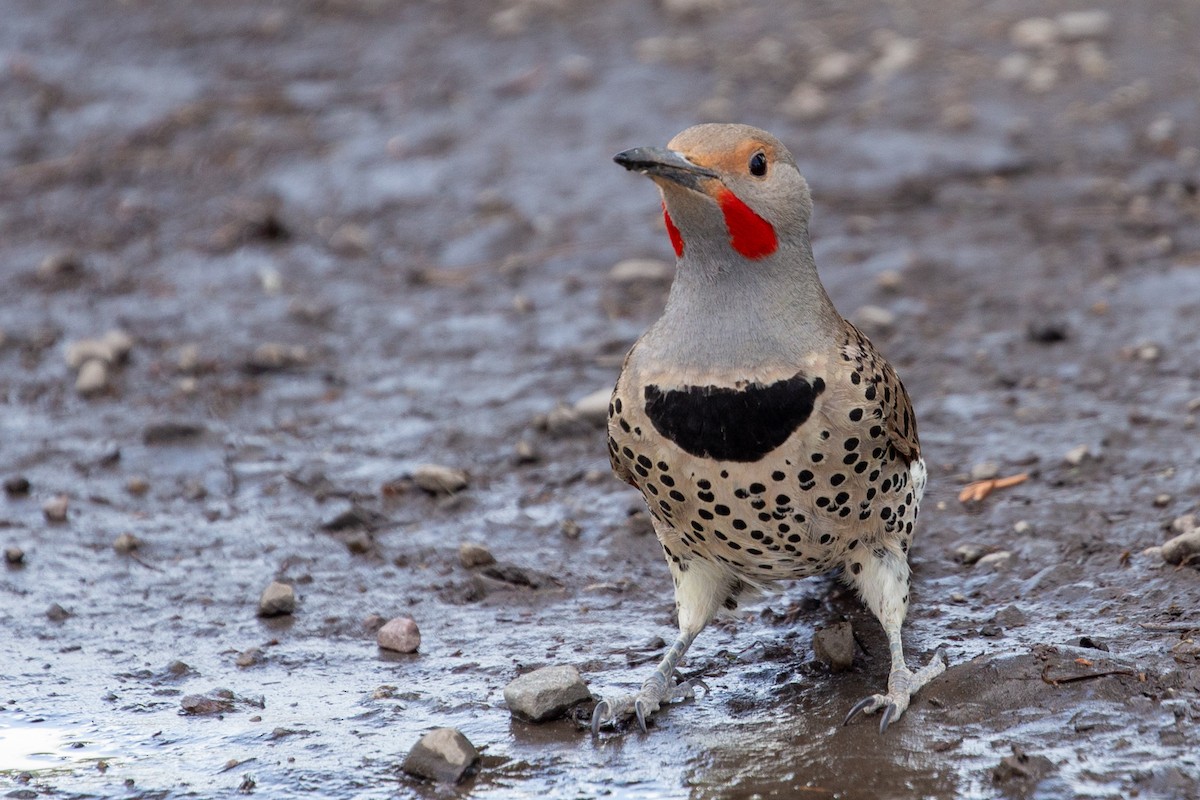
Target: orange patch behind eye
(749, 234)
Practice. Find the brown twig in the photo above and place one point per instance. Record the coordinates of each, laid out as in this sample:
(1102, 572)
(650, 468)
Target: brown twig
(977, 490)
(1089, 676)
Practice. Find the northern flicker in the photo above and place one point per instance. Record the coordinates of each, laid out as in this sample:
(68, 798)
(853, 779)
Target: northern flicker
(769, 438)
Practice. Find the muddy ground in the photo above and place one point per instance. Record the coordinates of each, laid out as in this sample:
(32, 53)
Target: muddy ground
(412, 206)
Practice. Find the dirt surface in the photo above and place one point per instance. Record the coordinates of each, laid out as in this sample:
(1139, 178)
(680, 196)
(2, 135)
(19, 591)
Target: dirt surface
(350, 238)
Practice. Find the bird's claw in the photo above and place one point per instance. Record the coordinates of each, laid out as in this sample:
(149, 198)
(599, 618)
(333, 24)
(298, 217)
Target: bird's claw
(902, 685)
(653, 695)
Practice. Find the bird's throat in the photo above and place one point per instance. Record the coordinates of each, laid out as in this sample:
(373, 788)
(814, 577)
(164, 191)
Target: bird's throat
(749, 234)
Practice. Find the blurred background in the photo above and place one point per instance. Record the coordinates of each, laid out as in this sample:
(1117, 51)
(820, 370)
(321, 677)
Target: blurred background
(319, 292)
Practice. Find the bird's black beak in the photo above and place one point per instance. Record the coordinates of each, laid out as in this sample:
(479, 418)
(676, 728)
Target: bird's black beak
(659, 162)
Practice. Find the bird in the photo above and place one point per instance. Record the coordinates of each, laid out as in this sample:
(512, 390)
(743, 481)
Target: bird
(768, 436)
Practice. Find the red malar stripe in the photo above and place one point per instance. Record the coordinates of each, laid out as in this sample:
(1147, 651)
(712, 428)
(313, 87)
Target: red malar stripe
(749, 234)
(673, 232)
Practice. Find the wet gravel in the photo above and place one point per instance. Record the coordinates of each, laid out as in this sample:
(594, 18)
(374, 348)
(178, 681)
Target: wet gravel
(371, 264)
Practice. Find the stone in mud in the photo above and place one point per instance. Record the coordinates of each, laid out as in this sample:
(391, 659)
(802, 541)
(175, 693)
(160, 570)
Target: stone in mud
(546, 693)
(14, 556)
(55, 509)
(126, 543)
(998, 560)
(56, 613)
(16, 486)
(1183, 549)
(92, 378)
(834, 646)
(471, 555)
(218, 701)
(400, 634)
(1021, 767)
(436, 479)
(442, 755)
(277, 600)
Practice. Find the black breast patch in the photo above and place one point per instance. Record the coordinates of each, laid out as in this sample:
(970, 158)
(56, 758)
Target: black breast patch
(732, 424)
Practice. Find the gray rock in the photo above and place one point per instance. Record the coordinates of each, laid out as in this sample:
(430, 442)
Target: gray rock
(277, 600)
(998, 560)
(443, 755)
(546, 693)
(834, 646)
(1183, 549)
(400, 634)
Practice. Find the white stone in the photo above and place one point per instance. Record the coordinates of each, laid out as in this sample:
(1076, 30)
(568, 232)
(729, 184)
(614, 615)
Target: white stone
(997, 560)
(833, 68)
(400, 634)
(1077, 455)
(92, 378)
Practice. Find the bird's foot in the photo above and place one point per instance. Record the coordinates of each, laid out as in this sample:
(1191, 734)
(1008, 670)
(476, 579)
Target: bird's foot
(903, 683)
(655, 693)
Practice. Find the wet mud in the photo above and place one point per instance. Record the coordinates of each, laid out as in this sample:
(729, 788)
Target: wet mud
(346, 239)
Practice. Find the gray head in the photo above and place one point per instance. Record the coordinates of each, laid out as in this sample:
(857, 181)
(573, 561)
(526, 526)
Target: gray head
(730, 192)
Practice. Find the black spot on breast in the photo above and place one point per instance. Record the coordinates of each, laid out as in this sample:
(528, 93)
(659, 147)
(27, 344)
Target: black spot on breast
(732, 424)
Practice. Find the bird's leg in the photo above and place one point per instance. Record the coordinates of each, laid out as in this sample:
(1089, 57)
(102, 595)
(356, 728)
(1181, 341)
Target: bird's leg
(882, 581)
(699, 590)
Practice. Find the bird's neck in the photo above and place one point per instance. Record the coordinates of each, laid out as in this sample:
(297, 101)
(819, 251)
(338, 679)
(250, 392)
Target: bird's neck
(758, 316)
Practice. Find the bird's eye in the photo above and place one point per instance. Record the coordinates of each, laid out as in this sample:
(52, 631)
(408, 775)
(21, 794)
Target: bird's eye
(758, 164)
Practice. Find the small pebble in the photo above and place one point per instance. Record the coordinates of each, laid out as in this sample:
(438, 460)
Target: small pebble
(1077, 455)
(969, 554)
(436, 479)
(997, 560)
(278, 599)
(373, 622)
(526, 452)
(570, 529)
(92, 378)
(137, 485)
(1162, 500)
(400, 634)
(14, 556)
(60, 265)
(545, 693)
(56, 613)
(55, 509)
(126, 543)
(834, 646)
(442, 755)
(471, 555)
(16, 486)
(1183, 523)
(249, 658)
(958, 597)
(641, 269)
(593, 407)
(1022, 527)
(890, 280)
(578, 70)
(874, 319)
(217, 701)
